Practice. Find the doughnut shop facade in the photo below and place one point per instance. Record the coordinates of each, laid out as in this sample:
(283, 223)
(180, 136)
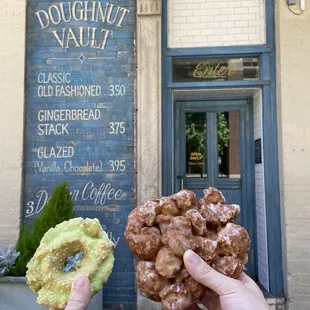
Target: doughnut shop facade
(130, 100)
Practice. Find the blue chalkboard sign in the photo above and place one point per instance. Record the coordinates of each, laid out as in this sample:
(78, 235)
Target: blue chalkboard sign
(80, 118)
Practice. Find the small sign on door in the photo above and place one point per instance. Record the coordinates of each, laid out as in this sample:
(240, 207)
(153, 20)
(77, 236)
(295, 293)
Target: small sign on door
(258, 151)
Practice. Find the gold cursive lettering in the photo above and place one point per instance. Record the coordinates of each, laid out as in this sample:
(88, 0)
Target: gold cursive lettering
(205, 70)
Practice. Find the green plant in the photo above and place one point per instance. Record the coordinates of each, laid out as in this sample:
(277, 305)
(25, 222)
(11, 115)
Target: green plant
(195, 138)
(196, 133)
(58, 208)
(222, 133)
(8, 258)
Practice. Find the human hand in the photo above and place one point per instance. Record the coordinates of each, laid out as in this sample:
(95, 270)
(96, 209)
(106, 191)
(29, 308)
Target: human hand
(224, 293)
(80, 294)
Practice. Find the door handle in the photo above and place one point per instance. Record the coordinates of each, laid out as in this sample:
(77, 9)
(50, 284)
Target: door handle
(182, 181)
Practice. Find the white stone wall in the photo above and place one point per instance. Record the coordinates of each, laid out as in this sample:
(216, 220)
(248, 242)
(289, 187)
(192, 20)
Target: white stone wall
(262, 250)
(202, 23)
(293, 87)
(12, 51)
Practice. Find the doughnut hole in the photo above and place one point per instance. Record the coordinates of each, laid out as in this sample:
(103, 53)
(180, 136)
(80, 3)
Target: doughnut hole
(57, 260)
(167, 264)
(150, 282)
(145, 245)
(229, 266)
(168, 206)
(233, 240)
(180, 244)
(198, 222)
(185, 199)
(73, 262)
(175, 297)
(147, 212)
(206, 248)
(195, 290)
(213, 195)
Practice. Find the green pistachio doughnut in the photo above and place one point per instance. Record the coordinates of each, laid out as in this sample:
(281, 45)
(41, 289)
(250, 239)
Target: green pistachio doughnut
(45, 274)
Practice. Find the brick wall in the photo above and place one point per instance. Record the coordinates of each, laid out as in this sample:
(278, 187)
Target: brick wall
(12, 38)
(262, 255)
(293, 67)
(200, 23)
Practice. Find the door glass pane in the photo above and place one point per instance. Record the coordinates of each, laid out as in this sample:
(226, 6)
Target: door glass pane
(196, 144)
(228, 144)
(215, 69)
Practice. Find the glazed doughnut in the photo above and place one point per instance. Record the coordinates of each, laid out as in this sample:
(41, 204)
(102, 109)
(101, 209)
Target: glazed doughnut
(160, 231)
(45, 274)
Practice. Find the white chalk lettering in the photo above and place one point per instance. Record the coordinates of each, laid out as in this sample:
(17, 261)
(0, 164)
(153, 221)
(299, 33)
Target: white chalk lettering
(69, 115)
(54, 14)
(99, 195)
(78, 91)
(54, 78)
(43, 18)
(117, 90)
(55, 152)
(94, 11)
(117, 128)
(69, 91)
(35, 207)
(110, 235)
(41, 167)
(112, 238)
(45, 91)
(117, 165)
(53, 129)
(87, 168)
(71, 38)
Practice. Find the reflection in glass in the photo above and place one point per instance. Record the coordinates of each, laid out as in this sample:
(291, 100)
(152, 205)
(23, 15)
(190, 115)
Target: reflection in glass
(228, 143)
(196, 145)
(215, 69)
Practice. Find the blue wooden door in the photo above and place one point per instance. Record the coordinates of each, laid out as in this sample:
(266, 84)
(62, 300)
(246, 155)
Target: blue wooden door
(213, 147)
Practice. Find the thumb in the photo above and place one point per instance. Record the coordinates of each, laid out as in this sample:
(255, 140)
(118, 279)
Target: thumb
(80, 293)
(207, 276)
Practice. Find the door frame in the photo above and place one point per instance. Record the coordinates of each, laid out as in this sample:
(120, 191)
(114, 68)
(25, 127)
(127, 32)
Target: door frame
(247, 160)
(267, 83)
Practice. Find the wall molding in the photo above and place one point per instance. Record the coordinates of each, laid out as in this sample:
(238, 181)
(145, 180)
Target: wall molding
(149, 7)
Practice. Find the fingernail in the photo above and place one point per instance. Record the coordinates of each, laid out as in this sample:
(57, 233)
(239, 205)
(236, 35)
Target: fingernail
(192, 257)
(79, 281)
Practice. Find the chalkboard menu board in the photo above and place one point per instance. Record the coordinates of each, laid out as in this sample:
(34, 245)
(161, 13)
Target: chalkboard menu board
(80, 118)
